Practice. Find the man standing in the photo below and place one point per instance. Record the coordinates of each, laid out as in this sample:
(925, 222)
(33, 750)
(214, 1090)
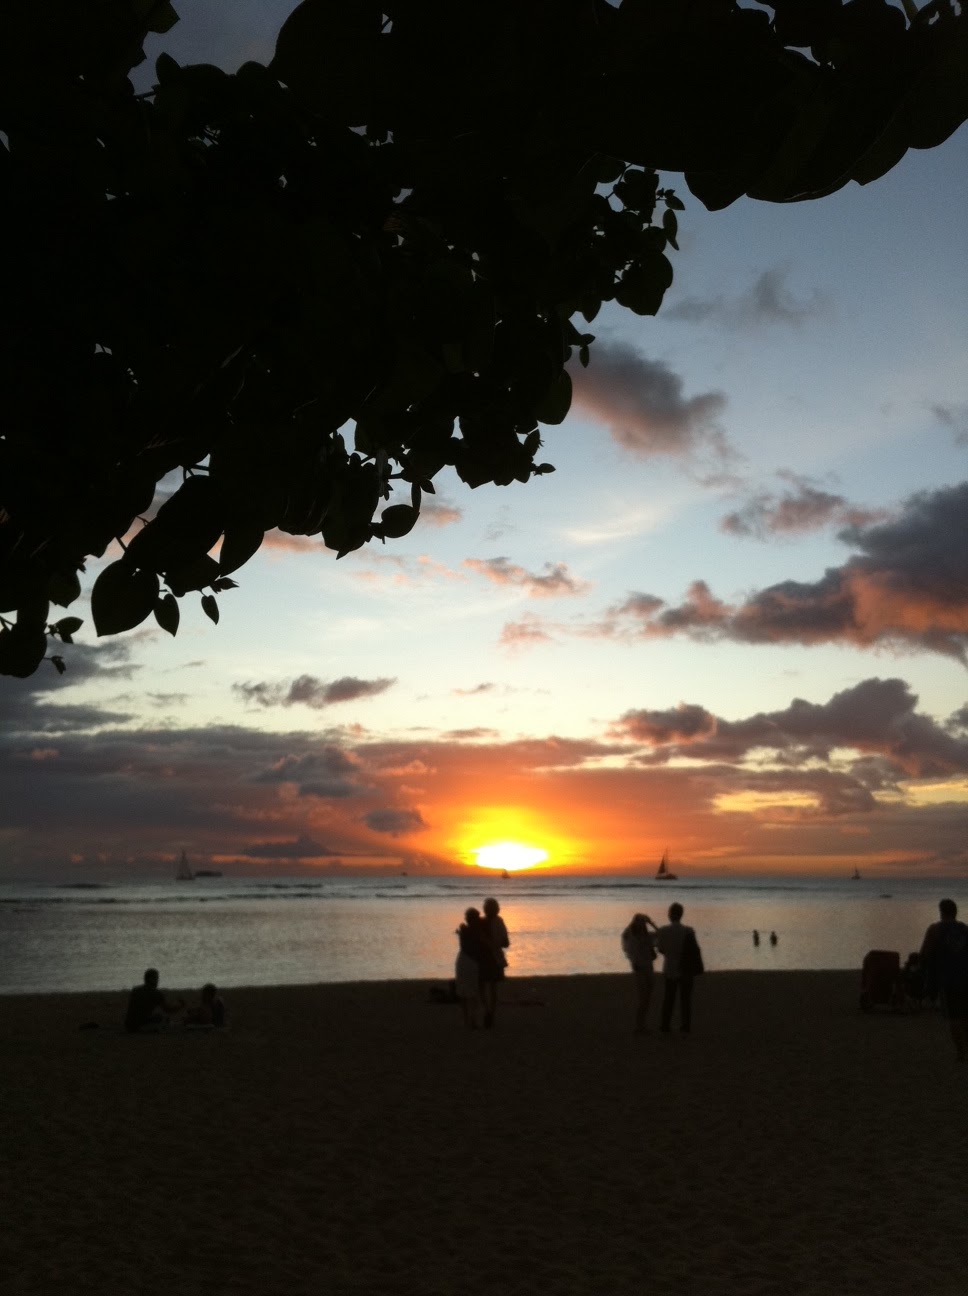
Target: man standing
(681, 964)
(944, 955)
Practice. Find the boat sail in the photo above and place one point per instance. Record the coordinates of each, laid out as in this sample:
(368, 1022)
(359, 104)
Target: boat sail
(184, 873)
(663, 873)
(856, 877)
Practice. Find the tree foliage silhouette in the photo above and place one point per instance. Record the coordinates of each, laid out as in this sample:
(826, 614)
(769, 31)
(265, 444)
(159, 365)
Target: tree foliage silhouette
(404, 224)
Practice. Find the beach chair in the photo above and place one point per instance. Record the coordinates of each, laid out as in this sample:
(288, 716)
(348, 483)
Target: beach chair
(880, 981)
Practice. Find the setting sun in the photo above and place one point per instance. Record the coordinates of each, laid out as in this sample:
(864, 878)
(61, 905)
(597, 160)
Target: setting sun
(510, 856)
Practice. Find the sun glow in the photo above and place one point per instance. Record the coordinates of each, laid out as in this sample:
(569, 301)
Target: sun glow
(509, 856)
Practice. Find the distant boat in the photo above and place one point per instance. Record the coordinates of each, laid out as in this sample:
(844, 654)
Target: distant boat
(856, 877)
(662, 873)
(208, 872)
(184, 873)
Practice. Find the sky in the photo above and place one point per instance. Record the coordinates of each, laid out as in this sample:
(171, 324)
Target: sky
(732, 624)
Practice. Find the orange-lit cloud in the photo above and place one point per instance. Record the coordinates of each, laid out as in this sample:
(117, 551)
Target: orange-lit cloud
(643, 405)
(861, 777)
(907, 588)
(554, 582)
(801, 508)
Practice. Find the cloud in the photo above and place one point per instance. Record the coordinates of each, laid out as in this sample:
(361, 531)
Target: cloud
(395, 823)
(312, 692)
(37, 705)
(555, 582)
(954, 417)
(524, 633)
(282, 542)
(301, 848)
(477, 689)
(767, 301)
(437, 513)
(877, 717)
(797, 511)
(643, 405)
(845, 773)
(326, 772)
(906, 589)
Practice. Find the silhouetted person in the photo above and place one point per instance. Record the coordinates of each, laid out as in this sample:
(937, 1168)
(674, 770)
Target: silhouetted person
(493, 958)
(148, 1009)
(756, 937)
(638, 947)
(773, 938)
(470, 935)
(681, 962)
(210, 1011)
(944, 953)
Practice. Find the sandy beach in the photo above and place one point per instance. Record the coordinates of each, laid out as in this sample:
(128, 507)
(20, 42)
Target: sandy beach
(356, 1139)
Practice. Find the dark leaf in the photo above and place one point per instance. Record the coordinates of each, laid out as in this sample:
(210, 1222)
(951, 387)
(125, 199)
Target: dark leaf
(556, 403)
(166, 69)
(397, 520)
(63, 588)
(210, 607)
(67, 626)
(58, 664)
(22, 649)
(192, 576)
(122, 597)
(168, 613)
(241, 541)
(224, 583)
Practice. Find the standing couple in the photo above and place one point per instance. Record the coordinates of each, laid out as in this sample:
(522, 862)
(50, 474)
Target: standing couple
(481, 962)
(682, 963)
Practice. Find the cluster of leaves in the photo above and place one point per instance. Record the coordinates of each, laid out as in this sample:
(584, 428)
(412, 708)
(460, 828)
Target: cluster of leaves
(395, 225)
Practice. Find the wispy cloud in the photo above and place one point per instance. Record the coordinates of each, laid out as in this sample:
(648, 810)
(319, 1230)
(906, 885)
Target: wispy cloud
(803, 507)
(555, 581)
(907, 588)
(438, 513)
(768, 301)
(955, 418)
(312, 692)
(643, 404)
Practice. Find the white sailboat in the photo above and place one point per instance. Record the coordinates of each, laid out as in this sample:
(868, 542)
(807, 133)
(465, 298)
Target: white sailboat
(184, 873)
(663, 873)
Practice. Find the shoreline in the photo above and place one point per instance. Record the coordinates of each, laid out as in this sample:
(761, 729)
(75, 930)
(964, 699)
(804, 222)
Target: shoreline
(355, 1138)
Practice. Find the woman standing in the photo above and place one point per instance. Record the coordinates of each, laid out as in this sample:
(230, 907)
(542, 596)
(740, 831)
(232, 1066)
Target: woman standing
(639, 948)
(470, 935)
(495, 960)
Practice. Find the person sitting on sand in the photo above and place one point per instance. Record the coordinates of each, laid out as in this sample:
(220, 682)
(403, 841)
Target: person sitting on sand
(639, 948)
(494, 960)
(944, 954)
(471, 936)
(210, 1011)
(148, 1008)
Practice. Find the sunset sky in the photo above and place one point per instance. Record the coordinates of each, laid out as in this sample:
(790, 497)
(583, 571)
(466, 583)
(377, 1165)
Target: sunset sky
(733, 623)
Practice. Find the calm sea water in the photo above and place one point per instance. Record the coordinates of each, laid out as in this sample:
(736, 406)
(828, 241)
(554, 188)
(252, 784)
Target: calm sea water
(251, 931)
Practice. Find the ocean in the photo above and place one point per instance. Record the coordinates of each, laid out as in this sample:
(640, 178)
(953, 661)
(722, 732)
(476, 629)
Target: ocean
(287, 931)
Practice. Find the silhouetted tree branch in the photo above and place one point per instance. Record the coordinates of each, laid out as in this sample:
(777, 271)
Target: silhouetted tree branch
(394, 226)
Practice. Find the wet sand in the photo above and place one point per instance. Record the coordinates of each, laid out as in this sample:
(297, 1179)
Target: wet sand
(356, 1139)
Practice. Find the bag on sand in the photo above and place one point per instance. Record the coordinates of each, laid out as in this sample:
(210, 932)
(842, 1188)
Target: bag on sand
(691, 964)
